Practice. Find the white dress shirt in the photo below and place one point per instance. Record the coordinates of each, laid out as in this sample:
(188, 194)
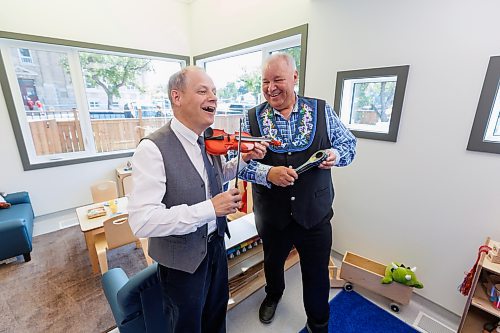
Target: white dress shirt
(148, 216)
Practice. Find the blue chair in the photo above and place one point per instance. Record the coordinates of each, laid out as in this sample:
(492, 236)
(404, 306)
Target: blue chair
(136, 303)
(16, 227)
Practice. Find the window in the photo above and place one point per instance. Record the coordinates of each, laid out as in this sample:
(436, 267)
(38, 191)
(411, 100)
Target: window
(93, 104)
(369, 101)
(485, 133)
(236, 71)
(69, 106)
(25, 56)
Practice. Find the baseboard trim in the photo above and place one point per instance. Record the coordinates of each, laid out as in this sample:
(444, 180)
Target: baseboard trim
(56, 221)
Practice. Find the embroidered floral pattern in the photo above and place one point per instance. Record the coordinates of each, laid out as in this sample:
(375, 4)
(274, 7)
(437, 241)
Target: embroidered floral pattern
(303, 132)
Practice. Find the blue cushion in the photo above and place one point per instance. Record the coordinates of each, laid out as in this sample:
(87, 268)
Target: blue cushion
(129, 297)
(16, 226)
(136, 302)
(112, 281)
(17, 198)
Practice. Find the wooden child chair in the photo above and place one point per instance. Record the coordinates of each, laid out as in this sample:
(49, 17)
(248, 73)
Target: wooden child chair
(117, 233)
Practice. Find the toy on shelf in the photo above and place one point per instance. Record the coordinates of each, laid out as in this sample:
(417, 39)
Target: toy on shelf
(400, 273)
(240, 248)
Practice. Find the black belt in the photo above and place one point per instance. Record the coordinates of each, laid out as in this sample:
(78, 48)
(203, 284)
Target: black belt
(213, 236)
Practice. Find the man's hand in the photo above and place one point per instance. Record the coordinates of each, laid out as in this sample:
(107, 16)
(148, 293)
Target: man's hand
(226, 202)
(282, 176)
(258, 152)
(329, 162)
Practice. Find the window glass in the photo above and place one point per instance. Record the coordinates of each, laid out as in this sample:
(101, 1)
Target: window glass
(48, 99)
(367, 103)
(236, 72)
(83, 103)
(238, 82)
(492, 133)
(128, 97)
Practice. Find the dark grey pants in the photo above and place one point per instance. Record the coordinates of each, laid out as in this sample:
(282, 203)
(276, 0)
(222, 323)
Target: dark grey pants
(197, 302)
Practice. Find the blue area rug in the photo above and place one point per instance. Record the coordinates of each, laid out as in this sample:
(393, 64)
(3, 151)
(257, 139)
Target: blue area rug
(352, 313)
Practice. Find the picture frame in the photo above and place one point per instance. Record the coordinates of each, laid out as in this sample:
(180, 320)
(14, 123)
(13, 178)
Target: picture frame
(370, 101)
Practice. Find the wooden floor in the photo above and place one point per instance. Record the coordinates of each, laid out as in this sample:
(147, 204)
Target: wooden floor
(56, 291)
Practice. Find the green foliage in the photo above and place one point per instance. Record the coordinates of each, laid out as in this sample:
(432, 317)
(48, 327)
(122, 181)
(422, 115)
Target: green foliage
(252, 82)
(111, 72)
(230, 91)
(374, 96)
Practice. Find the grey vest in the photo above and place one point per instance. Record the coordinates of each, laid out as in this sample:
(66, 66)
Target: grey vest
(183, 186)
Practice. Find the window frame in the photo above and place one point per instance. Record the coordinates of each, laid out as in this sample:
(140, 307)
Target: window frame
(277, 41)
(489, 94)
(401, 73)
(59, 45)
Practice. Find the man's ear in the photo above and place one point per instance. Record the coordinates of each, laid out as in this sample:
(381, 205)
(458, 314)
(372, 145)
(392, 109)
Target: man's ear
(175, 97)
(295, 76)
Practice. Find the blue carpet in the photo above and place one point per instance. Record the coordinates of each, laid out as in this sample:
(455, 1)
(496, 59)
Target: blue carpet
(352, 313)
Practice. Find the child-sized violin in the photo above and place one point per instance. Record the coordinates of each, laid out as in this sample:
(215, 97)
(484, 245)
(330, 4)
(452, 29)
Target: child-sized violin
(218, 142)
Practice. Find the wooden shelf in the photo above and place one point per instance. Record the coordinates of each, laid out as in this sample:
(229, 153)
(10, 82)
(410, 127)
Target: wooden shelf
(245, 256)
(256, 278)
(480, 300)
(479, 310)
(475, 320)
(244, 261)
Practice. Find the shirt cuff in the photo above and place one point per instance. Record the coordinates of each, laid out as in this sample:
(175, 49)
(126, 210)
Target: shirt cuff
(261, 175)
(337, 156)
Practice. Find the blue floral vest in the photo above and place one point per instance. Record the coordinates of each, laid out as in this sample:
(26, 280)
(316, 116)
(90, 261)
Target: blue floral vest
(309, 201)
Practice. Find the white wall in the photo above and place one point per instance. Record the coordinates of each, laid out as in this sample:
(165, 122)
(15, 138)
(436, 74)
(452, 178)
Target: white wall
(155, 25)
(424, 200)
(220, 23)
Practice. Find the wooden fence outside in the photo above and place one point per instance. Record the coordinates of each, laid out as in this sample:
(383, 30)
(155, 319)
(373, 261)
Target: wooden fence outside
(65, 136)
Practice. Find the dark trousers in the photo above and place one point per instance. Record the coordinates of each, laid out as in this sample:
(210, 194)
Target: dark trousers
(314, 246)
(197, 302)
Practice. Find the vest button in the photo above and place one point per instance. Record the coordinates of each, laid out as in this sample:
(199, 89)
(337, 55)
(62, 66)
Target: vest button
(292, 198)
(290, 166)
(289, 153)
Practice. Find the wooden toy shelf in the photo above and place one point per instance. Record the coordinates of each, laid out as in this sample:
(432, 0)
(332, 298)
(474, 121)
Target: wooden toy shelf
(246, 274)
(479, 310)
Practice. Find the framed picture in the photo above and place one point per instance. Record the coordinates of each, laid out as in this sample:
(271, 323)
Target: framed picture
(485, 133)
(369, 101)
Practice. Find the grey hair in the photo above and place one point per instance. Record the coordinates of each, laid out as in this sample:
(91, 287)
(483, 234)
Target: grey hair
(178, 80)
(281, 56)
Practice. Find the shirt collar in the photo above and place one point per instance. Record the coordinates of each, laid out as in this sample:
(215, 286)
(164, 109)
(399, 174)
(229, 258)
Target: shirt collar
(185, 132)
(295, 107)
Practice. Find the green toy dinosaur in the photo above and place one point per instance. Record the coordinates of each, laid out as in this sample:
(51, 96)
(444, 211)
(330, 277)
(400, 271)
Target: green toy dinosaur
(400, 273)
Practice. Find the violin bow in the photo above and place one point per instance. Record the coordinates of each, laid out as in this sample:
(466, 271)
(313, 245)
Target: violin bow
(238, 157)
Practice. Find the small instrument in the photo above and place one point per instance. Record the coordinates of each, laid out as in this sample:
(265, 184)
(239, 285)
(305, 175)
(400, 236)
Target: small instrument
(218, 142)
(313, 161)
